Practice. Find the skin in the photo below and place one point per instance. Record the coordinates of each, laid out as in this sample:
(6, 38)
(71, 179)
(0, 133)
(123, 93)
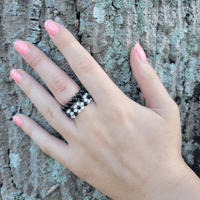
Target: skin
(125, 150)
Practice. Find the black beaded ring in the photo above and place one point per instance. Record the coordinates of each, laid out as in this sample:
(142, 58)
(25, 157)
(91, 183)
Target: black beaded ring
(77, 103)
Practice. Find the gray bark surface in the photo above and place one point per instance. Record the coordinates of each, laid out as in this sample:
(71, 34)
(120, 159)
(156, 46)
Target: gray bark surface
(169, 32)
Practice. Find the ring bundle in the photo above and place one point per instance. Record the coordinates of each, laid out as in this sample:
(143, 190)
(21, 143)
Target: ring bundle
(77, 103)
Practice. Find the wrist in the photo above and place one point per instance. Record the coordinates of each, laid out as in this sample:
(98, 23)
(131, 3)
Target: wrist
(184, 185)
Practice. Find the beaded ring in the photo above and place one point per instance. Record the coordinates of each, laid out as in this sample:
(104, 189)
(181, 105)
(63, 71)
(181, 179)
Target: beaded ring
(77, 103)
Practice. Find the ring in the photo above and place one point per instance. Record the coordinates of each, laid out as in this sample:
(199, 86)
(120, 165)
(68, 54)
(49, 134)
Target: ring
(77, 103)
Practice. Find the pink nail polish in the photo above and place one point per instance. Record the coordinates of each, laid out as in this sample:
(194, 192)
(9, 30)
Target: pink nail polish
(140, 52)
(22, 48)
(52, 28)
(17, 121)
(16, 76)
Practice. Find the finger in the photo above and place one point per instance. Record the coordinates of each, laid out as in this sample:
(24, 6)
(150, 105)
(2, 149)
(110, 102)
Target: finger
(45, 102)
(49, 144)
(59, 83)
(85, 67)
(154, 92)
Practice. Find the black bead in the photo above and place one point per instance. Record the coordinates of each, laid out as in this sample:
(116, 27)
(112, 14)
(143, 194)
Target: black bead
(66, 106)
(78, 95)
(76, 114)
(70, 103)
(72, 109)
(85, 103)
(63, 108)
(68, 115)
(79, 107)
(82, 91)
(89, 96)
(81, 99)
(74, 99)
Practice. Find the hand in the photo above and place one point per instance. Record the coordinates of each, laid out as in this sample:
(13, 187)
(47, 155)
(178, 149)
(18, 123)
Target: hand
(125, 150)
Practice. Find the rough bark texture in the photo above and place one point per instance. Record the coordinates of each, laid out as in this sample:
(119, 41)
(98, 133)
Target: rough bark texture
(169, 32)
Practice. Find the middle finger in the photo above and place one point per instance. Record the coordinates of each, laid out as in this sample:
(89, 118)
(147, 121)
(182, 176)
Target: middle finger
(89, 72)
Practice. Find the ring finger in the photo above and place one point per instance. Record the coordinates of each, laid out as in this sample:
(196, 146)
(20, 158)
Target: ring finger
(45, 103)
(60, 84)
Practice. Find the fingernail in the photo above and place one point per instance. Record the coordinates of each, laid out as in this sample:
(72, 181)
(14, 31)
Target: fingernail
(140, 52)
(16, 76)
(17, 121)
(52, 28)
(22, 48)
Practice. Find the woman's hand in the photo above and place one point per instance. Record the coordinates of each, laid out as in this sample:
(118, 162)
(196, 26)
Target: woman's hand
(125, 150)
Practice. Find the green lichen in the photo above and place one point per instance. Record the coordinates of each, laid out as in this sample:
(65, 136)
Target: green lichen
(177, 36)
(87, 198)
(198, 23)
(189, 70)
(192, 46)
(125, 73)
(55, 171)
(28, 103)
(187, 151)
(2, 68)
(32, 150)
(18, 196)
(174, 4)
(167, 75)
(141, 19)
(115, 54)
(117, 3)
(98, 195)
(70, 19)
(82, 27)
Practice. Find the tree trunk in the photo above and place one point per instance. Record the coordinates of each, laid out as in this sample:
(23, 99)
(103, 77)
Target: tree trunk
(169, 32)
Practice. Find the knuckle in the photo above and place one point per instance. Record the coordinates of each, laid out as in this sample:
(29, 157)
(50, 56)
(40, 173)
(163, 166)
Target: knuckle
(63, 43)
(59, 85)
(119, 115)
(152, 74)
(48, 112)
(64, 39)
(174, 107)
(27, 88)
(34, 60)
(45, 148)
(84, 65)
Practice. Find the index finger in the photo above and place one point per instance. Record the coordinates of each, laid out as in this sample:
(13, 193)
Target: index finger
(89, 72)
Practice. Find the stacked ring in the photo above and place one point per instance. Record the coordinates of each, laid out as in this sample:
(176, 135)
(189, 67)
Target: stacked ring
(77, 103)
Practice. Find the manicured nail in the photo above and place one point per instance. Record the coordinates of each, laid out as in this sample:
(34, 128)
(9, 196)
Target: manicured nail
(17, 121)
(16, 76)
(140, 52)
(52, 28)
(22, 48)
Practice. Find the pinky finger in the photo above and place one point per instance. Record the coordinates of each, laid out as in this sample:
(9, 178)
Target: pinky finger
(49, 144)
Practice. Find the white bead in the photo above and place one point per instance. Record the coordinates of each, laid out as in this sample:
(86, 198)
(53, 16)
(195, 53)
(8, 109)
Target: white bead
(75, 110)
(85, 100)
(73, 116)
(68, 111)
(78, 103)
(82, 103)
(82, 108)
(86, 94)
(79, 111)
(75, 106)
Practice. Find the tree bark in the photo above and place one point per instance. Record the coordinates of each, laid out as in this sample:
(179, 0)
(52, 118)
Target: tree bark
(169, 32)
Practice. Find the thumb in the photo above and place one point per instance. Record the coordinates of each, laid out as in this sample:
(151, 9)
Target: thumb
(154, 92)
